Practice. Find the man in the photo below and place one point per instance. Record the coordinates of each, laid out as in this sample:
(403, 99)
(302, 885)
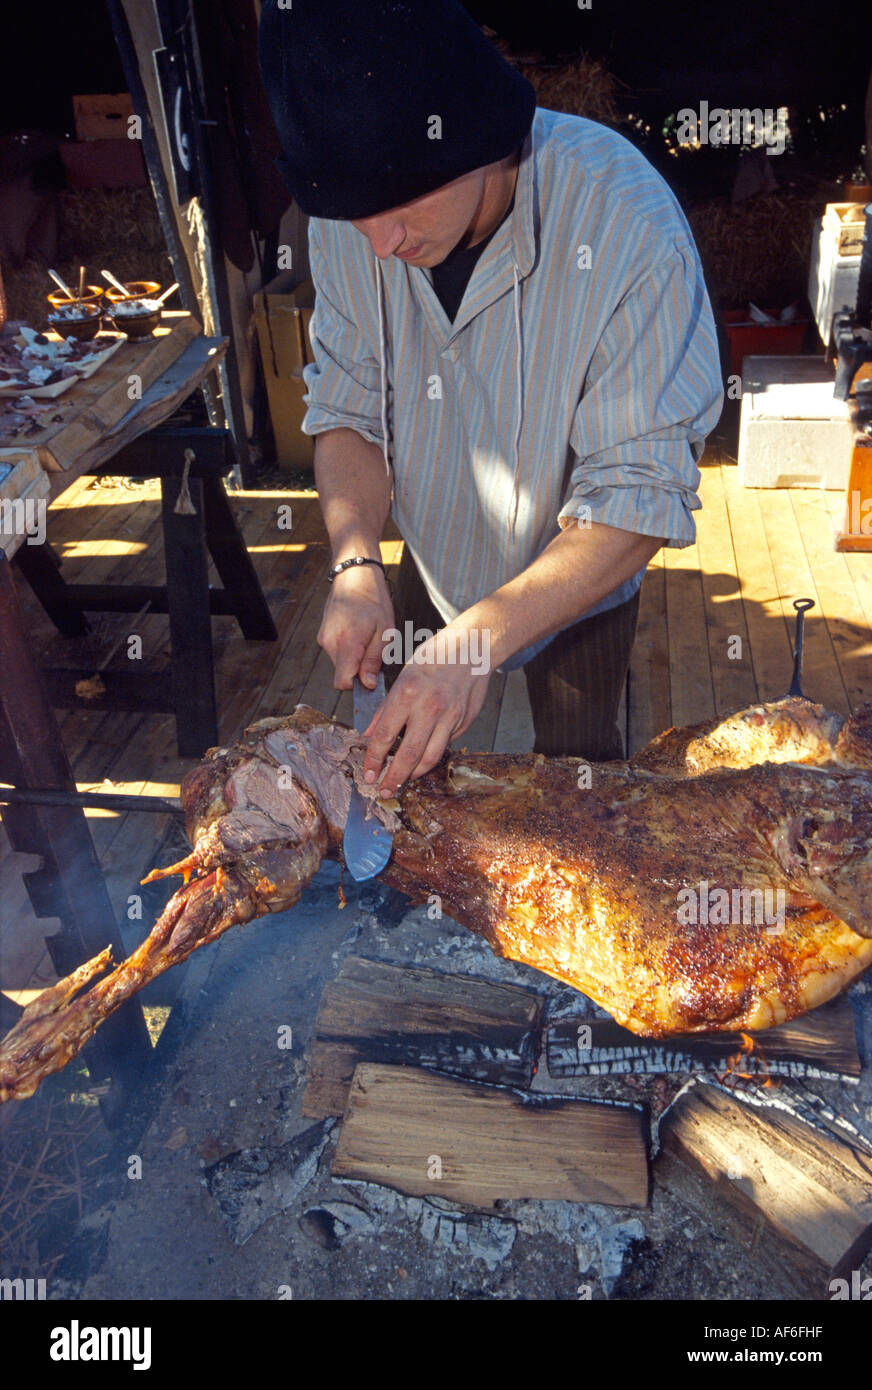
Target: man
(514, 351)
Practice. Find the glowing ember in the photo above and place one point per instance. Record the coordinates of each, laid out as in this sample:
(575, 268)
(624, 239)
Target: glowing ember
(761, 1074)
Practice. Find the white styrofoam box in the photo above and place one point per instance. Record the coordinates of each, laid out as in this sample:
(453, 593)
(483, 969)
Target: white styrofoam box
(832, 281)
(792, 433)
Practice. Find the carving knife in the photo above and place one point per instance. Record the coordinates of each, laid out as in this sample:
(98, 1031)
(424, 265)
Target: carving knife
(366, 844)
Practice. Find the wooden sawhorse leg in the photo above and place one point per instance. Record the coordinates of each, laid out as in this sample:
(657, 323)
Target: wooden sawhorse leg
(41, 568)
(193, 669)
(70, 884)
(234, 565)
(189, 539)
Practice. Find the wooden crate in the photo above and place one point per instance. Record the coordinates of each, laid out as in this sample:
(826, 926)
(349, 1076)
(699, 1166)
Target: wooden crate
(103, 163)
(843, 223)
(103, 116)
(792, 432)
(856, 527)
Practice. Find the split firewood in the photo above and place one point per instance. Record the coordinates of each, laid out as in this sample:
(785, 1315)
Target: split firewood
(822, 1043)
(812, 1190)
(435, 1136)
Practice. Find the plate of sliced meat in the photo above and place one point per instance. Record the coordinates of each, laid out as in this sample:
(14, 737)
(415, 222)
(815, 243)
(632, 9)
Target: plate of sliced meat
(44, 366)
(21, 416)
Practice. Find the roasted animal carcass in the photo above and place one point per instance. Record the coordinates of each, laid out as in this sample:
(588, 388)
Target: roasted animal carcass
(603, 877)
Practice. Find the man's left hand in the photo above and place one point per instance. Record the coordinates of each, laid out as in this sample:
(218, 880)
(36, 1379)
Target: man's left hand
(434, 701)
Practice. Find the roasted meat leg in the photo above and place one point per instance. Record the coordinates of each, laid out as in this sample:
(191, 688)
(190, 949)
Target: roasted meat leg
(721, 879)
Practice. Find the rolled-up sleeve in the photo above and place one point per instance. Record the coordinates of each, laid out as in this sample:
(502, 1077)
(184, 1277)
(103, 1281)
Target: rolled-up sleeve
(652, 393)
(343, 383)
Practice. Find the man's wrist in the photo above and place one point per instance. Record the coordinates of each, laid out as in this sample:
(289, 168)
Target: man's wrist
(355, 562)
(346, 547)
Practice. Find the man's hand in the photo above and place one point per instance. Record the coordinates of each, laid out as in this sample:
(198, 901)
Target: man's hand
(356, 614)
(434, 701)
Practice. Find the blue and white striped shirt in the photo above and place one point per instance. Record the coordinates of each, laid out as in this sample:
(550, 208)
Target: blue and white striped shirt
(577, 382)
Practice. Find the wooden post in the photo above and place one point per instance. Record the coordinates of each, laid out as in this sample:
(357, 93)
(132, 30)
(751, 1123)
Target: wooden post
(41, 568)
(234, 565)
(160, 187)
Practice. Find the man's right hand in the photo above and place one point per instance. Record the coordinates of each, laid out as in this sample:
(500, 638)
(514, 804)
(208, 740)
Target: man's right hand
(356, 614)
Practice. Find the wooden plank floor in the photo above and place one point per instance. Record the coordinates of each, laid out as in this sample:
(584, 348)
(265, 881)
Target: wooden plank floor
(715, 633)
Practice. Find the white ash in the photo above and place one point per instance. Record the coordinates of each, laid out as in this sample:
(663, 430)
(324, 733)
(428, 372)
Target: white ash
(452, 1230)
(599, 1235)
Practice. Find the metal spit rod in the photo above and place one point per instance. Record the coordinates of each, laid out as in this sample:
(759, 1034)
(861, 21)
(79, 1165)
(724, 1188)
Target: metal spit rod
(104, 801)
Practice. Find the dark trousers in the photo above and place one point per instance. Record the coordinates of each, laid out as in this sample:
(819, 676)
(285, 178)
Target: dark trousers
(575, 684)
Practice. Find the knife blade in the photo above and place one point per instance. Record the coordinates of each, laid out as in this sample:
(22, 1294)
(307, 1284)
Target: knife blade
(366, 844)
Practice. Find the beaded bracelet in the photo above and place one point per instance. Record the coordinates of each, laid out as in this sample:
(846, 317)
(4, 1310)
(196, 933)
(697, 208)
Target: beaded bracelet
(357, 560)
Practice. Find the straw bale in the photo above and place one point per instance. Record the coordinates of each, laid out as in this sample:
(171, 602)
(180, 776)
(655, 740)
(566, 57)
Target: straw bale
(116, 228)
(757, 249)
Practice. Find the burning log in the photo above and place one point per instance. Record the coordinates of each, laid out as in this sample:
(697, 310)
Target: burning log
(583, 873)
(820, 1044)
(374, 1012)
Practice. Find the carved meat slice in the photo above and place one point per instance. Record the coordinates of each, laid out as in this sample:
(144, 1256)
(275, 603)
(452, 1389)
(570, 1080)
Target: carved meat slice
(721, 879)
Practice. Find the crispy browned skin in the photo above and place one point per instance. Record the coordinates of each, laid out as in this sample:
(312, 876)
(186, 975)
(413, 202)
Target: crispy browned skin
(783, 731)
(581, 883)
(584, 884)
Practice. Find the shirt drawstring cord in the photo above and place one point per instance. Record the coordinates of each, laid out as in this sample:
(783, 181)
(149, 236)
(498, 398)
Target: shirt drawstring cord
(519, 391)
(382, 362)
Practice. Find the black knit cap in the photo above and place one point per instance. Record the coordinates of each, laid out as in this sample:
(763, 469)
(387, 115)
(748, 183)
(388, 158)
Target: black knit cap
(354, 87)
